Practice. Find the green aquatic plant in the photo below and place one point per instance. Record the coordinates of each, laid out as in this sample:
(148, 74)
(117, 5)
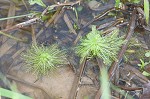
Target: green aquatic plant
(105, 47)
(143, 64)
(41, 60)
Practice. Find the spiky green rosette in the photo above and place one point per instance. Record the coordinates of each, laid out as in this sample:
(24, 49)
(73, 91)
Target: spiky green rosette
(41, 60)
(104, 47)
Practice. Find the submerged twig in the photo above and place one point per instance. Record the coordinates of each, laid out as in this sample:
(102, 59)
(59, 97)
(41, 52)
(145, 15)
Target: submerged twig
(98, 17)
(12, 37)
(69, 24)
(136, 72)
(129, 88)
(20, 25)
(33, 35)
(50, 21)
(77, 81)
(26, 23)
(121, 53)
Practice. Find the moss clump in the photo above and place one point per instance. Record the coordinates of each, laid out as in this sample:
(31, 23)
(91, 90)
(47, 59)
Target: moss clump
(104, 47)
(41, 60)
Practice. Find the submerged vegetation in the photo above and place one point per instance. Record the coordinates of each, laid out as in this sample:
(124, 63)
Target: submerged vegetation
(41, 60)
(104, 43)
(105, 47)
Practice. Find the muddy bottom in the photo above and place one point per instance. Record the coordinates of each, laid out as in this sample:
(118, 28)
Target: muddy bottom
(55, 86)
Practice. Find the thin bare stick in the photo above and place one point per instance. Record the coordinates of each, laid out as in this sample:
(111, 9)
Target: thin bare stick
(12, 37)
(33, 35)
(129, 35)
(26, 23)
(98, 17)
(69, 24)
(77, 81)
(20, 25)
(50, 21)
(129, 88)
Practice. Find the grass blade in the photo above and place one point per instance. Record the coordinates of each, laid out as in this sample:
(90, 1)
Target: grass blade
(11, 94)
(146, 10)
